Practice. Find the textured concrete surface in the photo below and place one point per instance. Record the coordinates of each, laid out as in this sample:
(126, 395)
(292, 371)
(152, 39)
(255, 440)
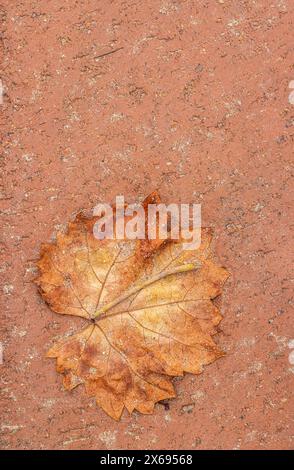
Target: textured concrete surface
(195, 104)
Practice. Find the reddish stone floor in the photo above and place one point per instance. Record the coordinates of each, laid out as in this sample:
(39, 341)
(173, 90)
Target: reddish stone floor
(194, 102)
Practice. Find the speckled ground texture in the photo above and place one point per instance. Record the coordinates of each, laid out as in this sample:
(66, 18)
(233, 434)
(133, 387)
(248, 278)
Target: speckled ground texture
(194, 104)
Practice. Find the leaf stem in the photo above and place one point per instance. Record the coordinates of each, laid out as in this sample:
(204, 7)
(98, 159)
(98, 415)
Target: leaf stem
(179, 269)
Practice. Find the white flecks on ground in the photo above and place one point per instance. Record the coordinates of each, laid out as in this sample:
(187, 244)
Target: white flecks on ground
(197, 396)
(73, 440)
(32, 270)
(10, 428)
(28, 157)
(135, 431)
(1, 92)
(108, 438)
(258, 207)
(255, 367)
(48, 402)
(153, 439)
(10, 395)
(116, 117)
(168, 7)
(291, 357)
(8, 289)
(188, 408)
(291, 96)
(237, 445)
(281, 340)
(33, 353)
(246, 342)
(197, 442)
(18, 332)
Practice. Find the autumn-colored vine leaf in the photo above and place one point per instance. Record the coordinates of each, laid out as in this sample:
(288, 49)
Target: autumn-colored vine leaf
(149, 312)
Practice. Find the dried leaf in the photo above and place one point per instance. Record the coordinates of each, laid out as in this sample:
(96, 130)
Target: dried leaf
(149, 311)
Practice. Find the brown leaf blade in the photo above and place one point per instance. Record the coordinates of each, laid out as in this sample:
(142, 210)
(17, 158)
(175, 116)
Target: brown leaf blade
(150, 313)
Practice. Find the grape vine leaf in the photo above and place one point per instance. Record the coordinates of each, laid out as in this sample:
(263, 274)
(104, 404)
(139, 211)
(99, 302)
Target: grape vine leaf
(148, 310)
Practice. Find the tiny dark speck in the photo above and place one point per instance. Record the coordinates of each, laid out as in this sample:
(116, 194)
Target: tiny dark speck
(164, 403)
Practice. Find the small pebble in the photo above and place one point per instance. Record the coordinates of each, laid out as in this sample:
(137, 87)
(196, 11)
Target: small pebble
(188, 408)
